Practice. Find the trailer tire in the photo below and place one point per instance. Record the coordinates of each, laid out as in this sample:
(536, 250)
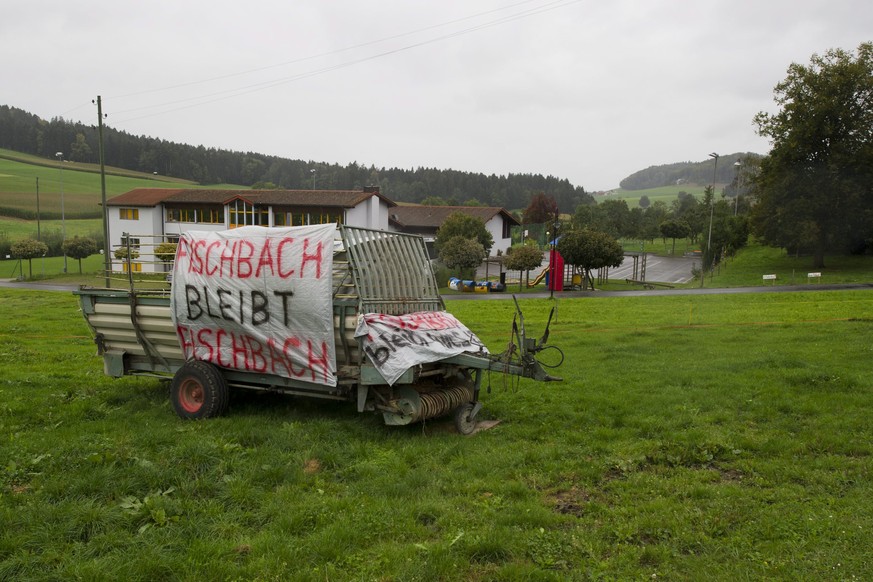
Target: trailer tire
(463, 422)
(199, 391)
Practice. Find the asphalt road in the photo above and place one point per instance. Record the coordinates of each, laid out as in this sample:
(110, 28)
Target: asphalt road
(659, 269)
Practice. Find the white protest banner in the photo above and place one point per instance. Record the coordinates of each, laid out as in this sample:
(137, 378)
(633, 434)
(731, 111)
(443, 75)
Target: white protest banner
(258, 299)
(394, 343)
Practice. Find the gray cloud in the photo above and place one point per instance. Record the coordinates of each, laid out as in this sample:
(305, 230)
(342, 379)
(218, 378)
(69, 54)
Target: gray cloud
(584, 90)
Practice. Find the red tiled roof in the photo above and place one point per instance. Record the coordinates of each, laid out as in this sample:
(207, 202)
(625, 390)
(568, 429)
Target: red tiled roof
(143, 197)
(334, 198)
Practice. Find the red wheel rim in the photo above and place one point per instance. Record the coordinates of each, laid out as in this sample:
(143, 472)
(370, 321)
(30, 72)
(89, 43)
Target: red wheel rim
(191, 395)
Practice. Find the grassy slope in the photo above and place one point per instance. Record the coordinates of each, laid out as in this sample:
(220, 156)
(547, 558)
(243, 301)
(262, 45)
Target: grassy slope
(755, 261)
(81, 184)
(667, 194)
(715, 437)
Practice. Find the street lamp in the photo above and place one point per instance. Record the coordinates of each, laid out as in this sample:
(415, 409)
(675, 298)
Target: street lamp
(737, 165)
(711, 208)
(312, 171)
(60, 157)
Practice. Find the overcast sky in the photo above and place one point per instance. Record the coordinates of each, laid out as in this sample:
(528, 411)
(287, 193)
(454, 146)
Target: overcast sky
(588, 90)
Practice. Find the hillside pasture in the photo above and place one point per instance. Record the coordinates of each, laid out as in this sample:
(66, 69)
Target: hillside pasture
(667, 194)
(81, 186)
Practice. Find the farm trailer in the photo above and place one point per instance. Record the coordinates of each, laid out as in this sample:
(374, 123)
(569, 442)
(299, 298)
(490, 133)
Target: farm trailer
(375, 274)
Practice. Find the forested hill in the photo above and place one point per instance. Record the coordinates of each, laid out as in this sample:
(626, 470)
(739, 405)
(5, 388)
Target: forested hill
(685, 172)
(24, 132)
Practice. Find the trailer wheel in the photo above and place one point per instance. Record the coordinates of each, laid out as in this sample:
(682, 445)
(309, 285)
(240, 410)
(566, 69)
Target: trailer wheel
(463, 421)
(199, 391)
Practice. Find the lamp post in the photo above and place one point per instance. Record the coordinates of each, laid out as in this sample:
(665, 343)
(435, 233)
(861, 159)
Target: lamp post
(711, 208)
(312, 171)
(60, 157)
(737, 165)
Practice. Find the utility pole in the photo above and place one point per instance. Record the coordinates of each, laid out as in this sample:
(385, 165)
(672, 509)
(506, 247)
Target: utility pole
(107, 265)
(38, 233)
(60, 156)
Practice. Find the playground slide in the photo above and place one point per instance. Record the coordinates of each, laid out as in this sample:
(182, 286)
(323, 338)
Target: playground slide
(539, 278)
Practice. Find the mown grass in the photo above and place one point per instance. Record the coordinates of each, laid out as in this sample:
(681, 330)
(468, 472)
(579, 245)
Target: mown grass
(15, 229)
(711, 437)
(666, 194)
(51, 269)
(755, 261)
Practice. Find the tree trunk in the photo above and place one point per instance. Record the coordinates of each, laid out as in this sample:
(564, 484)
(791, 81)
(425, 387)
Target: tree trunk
(819, 252)
(818, 257)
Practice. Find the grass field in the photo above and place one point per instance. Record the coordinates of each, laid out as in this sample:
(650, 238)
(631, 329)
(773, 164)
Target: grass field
(15, 229)
(711, 437)
(755, 261)
(81, 185)
(667, 194)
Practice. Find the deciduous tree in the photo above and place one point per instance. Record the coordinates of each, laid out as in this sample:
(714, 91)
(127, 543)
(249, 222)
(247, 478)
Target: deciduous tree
(466, 226)
(166, 252)
(79, 248)
(29, 249)
(674, 229)
(590, 249)
(815, 189)
(542, 209)
(461, 253)
(523, 258)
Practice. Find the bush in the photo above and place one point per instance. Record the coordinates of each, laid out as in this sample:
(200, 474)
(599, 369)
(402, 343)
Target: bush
(462, 253)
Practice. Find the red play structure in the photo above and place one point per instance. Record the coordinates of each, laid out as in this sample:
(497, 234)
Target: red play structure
(555, 278)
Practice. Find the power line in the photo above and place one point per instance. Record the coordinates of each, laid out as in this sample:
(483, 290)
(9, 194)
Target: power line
(319, 55)
(205, 99)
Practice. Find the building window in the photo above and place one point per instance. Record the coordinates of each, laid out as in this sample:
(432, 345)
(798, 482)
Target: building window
(128, 213)
(202, 215)
(210, 215)
(181, 215)
(134, 267)
(134, 242)
(507, 229)
(241, 213)
(307, 216)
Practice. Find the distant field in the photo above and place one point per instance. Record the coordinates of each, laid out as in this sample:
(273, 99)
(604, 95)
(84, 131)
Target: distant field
(667, 193)
(81, 184)
(16, 229)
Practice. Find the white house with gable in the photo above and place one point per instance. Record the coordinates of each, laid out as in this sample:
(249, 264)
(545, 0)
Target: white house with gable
(146, 217)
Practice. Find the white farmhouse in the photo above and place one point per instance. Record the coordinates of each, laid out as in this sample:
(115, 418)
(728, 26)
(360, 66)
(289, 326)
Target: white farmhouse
(146, 217)
(426, 221)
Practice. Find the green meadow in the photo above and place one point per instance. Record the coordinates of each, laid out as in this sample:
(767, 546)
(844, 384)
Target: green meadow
(717, 437)
(80, 183)
(666, 194)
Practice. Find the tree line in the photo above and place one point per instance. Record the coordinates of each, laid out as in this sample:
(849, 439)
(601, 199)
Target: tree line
(27, 133)
(686, 173)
